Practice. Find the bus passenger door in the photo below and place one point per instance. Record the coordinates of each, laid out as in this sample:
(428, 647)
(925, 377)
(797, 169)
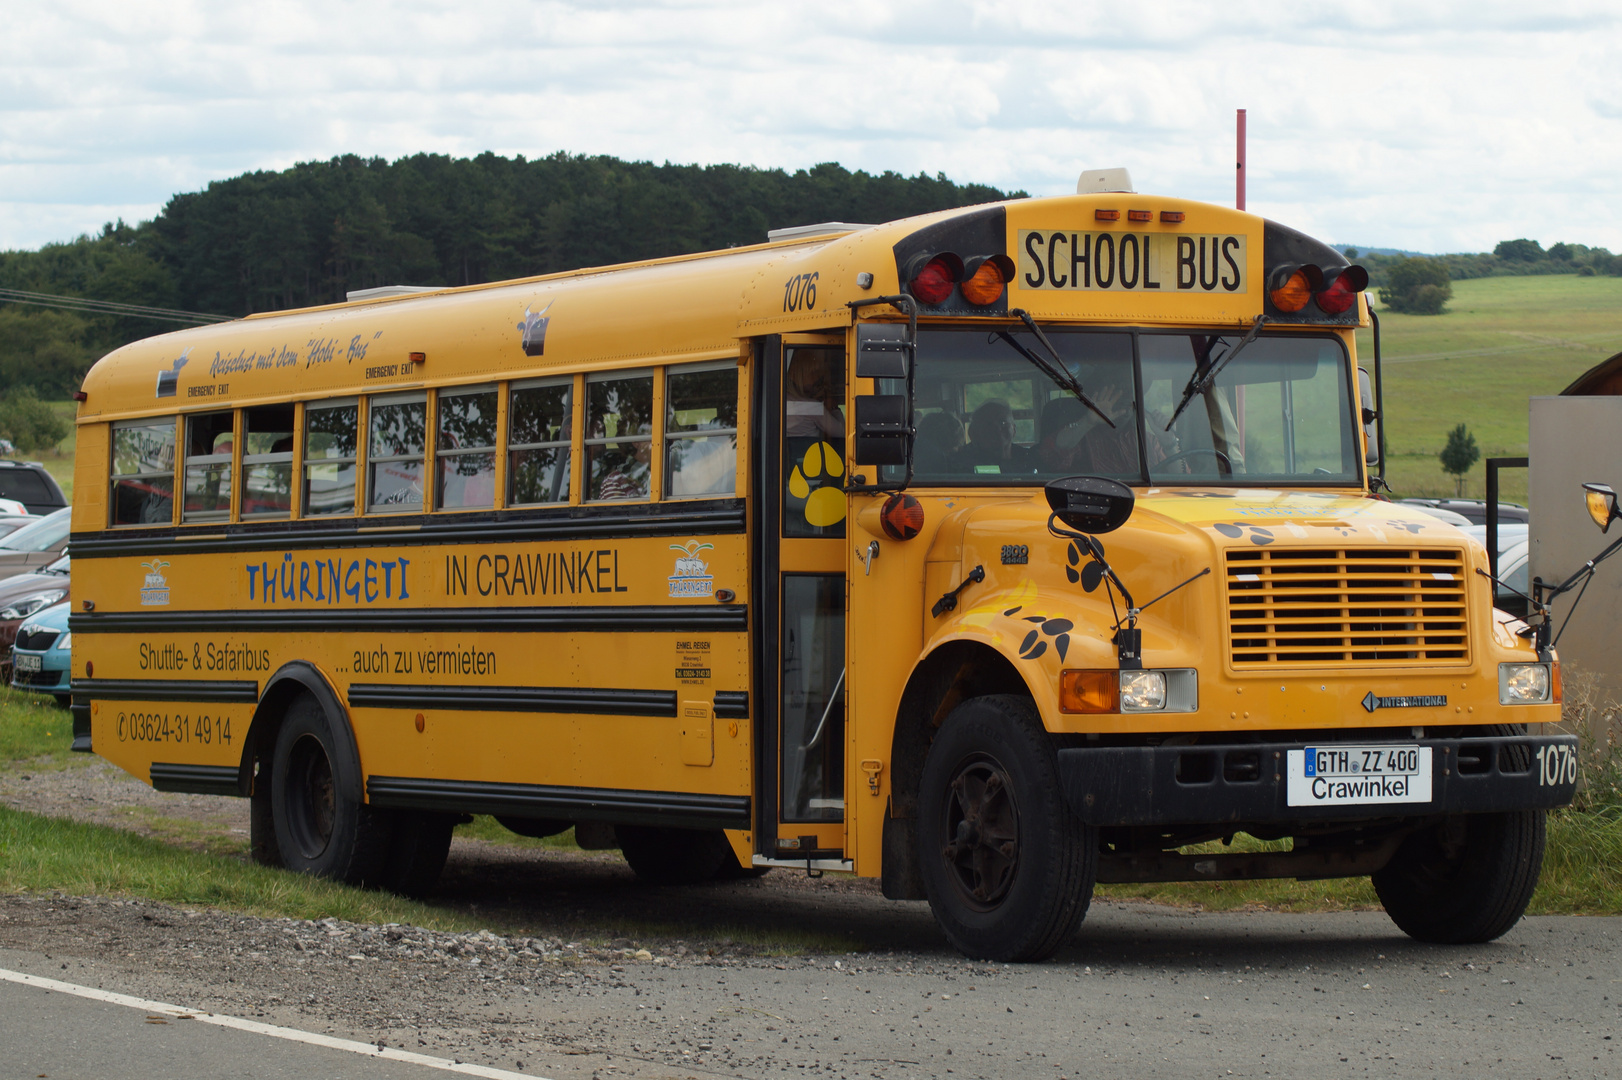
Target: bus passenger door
(800, 463)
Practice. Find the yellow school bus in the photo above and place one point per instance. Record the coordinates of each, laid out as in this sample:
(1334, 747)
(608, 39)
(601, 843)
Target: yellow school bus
(993, 553)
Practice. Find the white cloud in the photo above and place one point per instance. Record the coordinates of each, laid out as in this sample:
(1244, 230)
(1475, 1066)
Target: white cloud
(1444, 125)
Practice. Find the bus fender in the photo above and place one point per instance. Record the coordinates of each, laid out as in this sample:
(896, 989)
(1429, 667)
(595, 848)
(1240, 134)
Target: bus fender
(955, 670)
(281, 688)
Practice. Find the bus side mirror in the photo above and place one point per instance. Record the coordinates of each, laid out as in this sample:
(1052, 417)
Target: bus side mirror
(1090, 504)
(883, 434)
(1601, 505)
(1365, 393)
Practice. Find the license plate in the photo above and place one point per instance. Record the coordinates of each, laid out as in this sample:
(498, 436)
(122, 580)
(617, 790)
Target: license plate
(26, 662)
(1343, 775)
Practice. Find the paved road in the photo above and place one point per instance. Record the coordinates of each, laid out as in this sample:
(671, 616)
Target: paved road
(1143, 992)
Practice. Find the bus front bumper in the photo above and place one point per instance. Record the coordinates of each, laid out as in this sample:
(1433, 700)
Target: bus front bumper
(1250, 783)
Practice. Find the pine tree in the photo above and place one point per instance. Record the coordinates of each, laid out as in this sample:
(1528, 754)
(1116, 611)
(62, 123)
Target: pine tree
(1459, 454)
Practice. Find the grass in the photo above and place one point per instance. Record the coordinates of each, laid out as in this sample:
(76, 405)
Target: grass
(39, 853)
(492, 831)
(1503, 341)
(34, 728)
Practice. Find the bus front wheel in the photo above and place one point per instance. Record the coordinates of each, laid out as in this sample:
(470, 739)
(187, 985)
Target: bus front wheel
(322, 826)
(1466, 879)
(1008, 869)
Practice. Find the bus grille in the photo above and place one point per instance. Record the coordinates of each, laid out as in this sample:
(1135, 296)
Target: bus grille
(1351, 606)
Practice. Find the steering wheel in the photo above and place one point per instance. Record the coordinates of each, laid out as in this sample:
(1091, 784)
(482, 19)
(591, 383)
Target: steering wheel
(1224, 466)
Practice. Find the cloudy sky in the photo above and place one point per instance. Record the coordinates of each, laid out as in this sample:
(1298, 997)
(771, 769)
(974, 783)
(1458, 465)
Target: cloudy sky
(1429, 125)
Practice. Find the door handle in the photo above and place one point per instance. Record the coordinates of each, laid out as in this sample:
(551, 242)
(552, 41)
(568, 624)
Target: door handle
(867, 556)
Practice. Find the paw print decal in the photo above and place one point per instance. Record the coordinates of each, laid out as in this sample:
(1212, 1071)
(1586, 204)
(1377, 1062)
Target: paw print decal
(1034, 646)
(1345, 530)
(1089, 575)
(818, 481)
(1258, 535)
(1407, 526)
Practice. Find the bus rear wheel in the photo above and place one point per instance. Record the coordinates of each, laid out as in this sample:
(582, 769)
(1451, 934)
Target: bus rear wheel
(1008, 869)
(322, 826)
(1466, 879)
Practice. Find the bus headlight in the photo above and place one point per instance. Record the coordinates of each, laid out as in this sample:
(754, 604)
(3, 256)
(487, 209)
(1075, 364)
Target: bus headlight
(1143, 691)
(1524, 684)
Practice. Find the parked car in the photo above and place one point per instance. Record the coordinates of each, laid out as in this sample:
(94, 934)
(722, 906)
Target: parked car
(1441, 514)
(10, 523)
(1510, 533)
(35, 545)
(24, 596)
(1474, 509)
(41, 659)
(28, 483)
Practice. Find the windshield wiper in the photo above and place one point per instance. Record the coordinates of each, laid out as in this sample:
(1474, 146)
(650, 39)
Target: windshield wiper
(1199, 384)
(1056, 370)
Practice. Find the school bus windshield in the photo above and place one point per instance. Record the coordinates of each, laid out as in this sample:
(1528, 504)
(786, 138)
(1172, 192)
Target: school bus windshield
(1278, 413)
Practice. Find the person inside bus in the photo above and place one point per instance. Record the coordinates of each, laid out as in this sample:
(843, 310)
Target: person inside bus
(1113, 451)
(811, 408)
(939, 438)
(991, 449)
(628, 478)
(1064, 424)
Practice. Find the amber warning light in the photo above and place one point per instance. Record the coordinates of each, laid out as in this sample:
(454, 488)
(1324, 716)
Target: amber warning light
(1292, 286)
(980, 279)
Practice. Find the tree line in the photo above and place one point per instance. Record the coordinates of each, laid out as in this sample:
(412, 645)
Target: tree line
(273, 240)
(269, 241)
(1422, 285)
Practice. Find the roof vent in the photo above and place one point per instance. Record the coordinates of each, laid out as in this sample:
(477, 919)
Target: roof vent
(1099, 181)
(384, 291)
(802, 232)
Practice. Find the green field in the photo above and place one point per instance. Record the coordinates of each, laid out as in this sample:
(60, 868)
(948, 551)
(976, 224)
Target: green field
(1504, 340)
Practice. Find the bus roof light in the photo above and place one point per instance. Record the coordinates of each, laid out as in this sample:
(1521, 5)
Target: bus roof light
(1140, 215)
(1171, 217)
(1341, 289)
(985, 279)
(1106, 215)
(933, 281)
(1291, 286)
(419, 358)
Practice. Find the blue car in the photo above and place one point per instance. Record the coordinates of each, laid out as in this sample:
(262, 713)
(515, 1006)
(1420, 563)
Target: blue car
(41, 661)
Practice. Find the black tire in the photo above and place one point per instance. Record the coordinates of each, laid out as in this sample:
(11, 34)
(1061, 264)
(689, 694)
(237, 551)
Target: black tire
(1465, 880)
(662, 856)
(733, 870)
(421, 840)
(1016, 889)
(322, 827)
(261, 824)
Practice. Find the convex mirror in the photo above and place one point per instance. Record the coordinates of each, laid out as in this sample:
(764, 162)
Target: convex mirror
(1090, 504)
(1601, 505)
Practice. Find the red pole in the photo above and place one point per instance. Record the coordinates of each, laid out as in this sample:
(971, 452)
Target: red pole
(1239, 184)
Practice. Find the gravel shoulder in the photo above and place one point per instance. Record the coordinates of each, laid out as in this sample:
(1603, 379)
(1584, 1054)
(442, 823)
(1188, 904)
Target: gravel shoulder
(597, 976)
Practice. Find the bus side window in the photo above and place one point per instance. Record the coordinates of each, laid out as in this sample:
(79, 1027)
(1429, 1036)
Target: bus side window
(329, 457)
(701, 430)
(209, 447)
(267, 461)
(619, 430)
(143, 472)
(538, 421)
(394, 453)
(466, 448)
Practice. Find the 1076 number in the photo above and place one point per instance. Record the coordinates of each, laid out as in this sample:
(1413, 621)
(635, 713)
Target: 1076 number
(1557, 766)
(800, 291)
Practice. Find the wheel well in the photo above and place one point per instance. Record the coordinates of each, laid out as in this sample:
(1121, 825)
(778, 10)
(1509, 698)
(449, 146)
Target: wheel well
(952, 673)
(293, 679)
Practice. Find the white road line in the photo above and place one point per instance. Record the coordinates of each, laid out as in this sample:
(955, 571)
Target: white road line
(310, 1038)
